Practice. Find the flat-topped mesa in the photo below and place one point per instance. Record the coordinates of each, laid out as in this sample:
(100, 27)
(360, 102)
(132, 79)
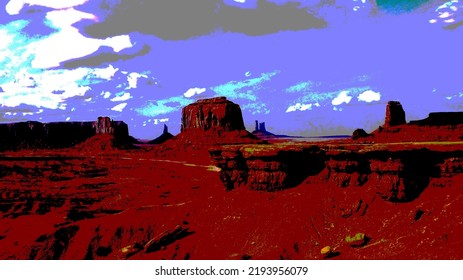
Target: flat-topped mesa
(440, 119)
(214, 114)
(395, 114)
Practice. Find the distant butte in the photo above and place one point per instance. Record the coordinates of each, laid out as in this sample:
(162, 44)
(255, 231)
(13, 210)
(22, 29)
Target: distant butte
(166, 135)
(213, 121)
(438, 126)
(25, 135)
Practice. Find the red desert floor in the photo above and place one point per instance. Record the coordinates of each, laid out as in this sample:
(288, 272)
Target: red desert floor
(112, 204)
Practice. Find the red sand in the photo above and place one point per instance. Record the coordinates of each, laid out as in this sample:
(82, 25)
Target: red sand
(114, 204)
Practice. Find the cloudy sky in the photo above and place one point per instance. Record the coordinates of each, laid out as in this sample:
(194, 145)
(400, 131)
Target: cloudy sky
(305, 67)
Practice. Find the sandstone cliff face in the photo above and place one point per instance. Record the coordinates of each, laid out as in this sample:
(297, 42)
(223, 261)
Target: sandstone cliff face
(207, 123)
(439, 126)
(217, 114)
(393, 175)
(57, 134)
(266, 168)
(103, 126)
(395, 114)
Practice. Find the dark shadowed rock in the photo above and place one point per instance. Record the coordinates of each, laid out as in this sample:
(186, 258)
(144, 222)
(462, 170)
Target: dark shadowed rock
(217, 114)
(395, 114)
(25, 135)
(261, 131)
(359, 133)
(163, 137)
(441, 118)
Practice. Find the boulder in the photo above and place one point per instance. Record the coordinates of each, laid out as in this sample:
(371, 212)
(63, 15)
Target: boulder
(359, 133)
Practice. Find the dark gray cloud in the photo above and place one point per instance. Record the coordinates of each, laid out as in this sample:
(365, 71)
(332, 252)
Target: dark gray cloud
(454, 26)
(180, 19)
(103, 55)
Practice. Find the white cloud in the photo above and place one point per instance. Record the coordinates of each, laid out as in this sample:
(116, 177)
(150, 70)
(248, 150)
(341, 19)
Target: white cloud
(299, 107)
(119, 108)
(67, 17)
(126, 96)
(105, 73)
(194, 91)
(157, 121)
(48, 89)
(132, 79)
(240, 1)
(68, 43)
(341, 98)
(369, 96)
(106, 94)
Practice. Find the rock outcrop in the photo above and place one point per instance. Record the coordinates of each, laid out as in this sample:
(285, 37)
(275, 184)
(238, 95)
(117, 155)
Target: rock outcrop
(397, 176)
(103, 126)
(214, 121)
(261, 131)
(441, 119)
(395, 114)
(166, 135)
(438, 126)
(215, 114)
(32, 134)
(359, 133)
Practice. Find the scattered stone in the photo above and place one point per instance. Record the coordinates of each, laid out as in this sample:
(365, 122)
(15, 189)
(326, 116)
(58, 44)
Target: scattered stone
(358, 240)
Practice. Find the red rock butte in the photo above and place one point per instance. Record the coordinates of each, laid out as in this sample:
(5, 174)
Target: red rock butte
(212, 114)
(395, 114)
(437, 127)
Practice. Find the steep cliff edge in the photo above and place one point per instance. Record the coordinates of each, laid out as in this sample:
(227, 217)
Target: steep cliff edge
(395, 175)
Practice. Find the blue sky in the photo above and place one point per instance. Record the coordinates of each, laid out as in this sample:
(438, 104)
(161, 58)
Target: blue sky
(304, 67)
